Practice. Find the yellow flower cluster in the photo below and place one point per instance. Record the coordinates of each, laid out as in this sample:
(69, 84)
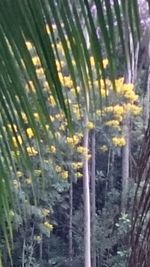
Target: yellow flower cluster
(76, 165)
(52, 149)
(36, 116)
(128, 92)
(76, 110)
(31, 151)
(59, 116)
(90, 125)
(17, 140)
(78, 174)
(29, 132)
(132, 109)
(108, 109)
(12, 127)
(36, 61)
(74, 140)
(104, 148)
(75, 91)
(30, 87)
(24, 117)
(29, 45)
(118, 141)
(52, 101)
(118, 110)
(119, 84)
(82, 150)
(37, 172)
(67, 82)
(58, 169)
(105, 63)
(28, 181)
(19, 174)
(64, 174)
(60, 48)
(92, 61)
(59, 65)
(40, 72)
(48, 226)
(112, 123)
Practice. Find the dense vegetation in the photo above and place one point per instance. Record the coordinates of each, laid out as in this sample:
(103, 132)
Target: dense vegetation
(75, 107)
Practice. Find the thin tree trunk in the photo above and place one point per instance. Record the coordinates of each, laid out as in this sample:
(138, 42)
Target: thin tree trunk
(93, 208)
(125, 164)
(86, 197)
(147, 100)
(70, 221)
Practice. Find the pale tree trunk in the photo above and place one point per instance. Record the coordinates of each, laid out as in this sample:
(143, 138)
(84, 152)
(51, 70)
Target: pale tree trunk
(93, 208)
(129, 78)
(70, 221)
(147, 100)
(125, 164)
(86, 200)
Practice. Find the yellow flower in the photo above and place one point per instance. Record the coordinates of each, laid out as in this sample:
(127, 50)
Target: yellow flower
(74, 140)
(58, 116)
(104, 148)
(82, 150)
(29, 45)
(40, 72)
(60, 48)
(12, 127)
(59, 65)
(118, 110)
(17, 140)
(132, 109)
(30, 87)
(52, 101)
(19, 174)
(118, 141)
(108, 109)
(29, 132)
(68, 101)
(90, 125)
(105, 63)
(24, 117)
(52, 118)
(16, 184)
(52, 149)
(37, 172)
(47, 28)
(36, 116)
(92, 61)
(76, 165)
(69, 140)
(48, 226)
(46, 86)
(64, 174)
(67, 82)
(36, 61)
(112, 123)
(31, 151)
(28, 181)
(58, 169)
(78, 174)
(119, 84)
(98, 112)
